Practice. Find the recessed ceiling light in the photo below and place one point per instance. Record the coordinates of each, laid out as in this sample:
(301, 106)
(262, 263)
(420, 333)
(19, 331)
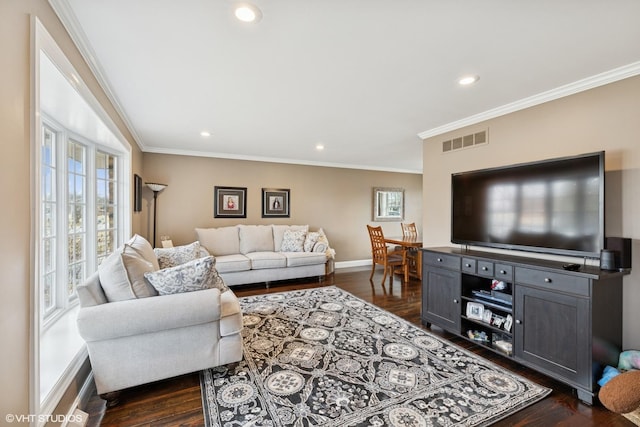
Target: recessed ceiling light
(247, 12)
(319, 147)
(468, 80)
(205, 134)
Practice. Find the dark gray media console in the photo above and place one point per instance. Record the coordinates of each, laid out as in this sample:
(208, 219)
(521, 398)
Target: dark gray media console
(565, 324)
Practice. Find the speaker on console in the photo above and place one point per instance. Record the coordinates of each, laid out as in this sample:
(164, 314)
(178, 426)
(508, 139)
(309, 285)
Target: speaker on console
(607, 260)
(621, 249)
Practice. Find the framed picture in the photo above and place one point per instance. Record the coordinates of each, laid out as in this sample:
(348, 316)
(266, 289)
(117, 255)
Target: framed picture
(275, 203)
(230, 202)
(388, 204)
(137, 193)
(475, 311)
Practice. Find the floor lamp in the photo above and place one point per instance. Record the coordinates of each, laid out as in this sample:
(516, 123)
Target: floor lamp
(156, 188)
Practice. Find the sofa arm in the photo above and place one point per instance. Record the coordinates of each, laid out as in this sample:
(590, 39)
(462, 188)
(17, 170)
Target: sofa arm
(147, 315)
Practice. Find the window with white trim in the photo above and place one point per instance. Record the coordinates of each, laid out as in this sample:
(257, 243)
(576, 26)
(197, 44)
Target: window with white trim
(79, 214)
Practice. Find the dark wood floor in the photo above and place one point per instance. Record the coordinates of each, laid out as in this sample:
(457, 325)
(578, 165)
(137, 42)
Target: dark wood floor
(177, 401)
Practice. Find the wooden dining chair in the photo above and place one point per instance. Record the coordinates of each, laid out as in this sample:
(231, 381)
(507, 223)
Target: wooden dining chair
(413, 255)
(409, 230)
(382, 256)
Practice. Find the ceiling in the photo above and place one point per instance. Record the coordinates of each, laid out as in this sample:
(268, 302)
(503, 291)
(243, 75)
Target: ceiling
(366, 79)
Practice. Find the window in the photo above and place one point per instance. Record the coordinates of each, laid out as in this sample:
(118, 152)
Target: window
(85, 181)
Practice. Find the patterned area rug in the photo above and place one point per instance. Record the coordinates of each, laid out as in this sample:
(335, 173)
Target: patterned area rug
(325, 357)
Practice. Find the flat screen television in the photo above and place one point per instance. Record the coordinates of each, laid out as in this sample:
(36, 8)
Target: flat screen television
(554, 206)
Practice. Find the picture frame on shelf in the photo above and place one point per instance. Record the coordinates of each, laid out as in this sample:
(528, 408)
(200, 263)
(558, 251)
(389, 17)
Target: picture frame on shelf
(276, 203)
(229, 202)
(475, 311)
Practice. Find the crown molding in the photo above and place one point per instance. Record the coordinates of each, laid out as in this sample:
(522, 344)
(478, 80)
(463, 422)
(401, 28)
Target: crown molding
(602, 79)
(65, 13)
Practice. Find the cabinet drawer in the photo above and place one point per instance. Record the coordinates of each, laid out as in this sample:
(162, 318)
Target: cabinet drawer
(504, 272)
(446, 261)
(485, 268)
(553, 281)
(469, 265)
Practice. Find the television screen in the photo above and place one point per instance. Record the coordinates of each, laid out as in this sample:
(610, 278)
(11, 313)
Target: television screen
(554, 206)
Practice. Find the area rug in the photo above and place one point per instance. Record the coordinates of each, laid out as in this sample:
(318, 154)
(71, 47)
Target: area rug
(325, 357)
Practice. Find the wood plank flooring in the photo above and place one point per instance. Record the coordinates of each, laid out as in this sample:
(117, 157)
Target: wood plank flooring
(177, 401)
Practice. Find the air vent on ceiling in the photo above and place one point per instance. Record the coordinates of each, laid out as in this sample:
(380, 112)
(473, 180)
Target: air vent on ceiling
(471, 140)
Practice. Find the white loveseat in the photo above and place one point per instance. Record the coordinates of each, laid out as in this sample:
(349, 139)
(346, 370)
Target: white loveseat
(266, 253)
(139, 330)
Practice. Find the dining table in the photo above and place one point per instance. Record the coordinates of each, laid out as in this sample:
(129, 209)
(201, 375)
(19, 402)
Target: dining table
(407, 243)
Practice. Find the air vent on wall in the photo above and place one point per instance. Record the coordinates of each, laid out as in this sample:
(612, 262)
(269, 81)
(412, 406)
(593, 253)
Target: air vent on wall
(471, 140)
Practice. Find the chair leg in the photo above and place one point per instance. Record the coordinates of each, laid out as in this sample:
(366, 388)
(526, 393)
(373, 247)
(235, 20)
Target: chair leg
(373, 269)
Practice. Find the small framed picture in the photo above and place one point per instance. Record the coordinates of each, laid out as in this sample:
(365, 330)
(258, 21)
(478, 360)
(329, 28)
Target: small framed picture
(508, 323)
(275, 203)
(486, 316)
(230, 202)
(475, 311)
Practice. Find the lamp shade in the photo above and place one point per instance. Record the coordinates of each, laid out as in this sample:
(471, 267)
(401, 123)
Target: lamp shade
(154, 186)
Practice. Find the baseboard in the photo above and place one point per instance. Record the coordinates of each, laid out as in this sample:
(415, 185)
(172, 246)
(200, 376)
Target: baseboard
(355, 263)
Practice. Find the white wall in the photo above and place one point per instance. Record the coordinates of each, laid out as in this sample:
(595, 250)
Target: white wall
(605, 118)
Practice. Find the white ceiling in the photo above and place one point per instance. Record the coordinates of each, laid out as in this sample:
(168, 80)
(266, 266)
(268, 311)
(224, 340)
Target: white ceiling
(363, 78)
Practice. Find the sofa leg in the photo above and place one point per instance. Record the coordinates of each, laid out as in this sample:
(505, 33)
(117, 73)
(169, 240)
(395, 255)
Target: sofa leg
(112, 398)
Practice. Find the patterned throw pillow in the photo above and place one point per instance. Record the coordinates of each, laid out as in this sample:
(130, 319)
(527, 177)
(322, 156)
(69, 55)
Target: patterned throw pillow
(191, 276)
(171, 257)
(311, 240)
(293, 241)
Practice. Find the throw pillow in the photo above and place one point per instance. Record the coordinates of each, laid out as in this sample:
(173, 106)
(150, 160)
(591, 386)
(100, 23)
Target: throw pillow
(122, 275)
(293, 241)
(311, 240)
(145, 249)
(170, 257)
(191, 276)
(278, 234)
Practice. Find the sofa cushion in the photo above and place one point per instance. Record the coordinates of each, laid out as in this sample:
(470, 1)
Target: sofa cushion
(232, 263)
(295, 259)
(194, 275)
(145, 249)
(260, 260)
(122, 275)
(255, 238)
(278, 234)
(170, 257)
(293, 241)
(220, 241)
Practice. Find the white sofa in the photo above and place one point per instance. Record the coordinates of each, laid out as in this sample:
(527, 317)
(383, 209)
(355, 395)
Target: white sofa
(266, 253)
(135, 334)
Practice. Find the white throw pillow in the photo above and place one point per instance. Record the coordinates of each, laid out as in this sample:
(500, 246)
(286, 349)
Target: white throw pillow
(192, 276)
(145, 249)
(293, 241)
(122, 275)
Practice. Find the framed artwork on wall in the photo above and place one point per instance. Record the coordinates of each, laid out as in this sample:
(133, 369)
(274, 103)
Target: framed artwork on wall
(137, 193)
(229, 202)
(275, 203)
(388, 204)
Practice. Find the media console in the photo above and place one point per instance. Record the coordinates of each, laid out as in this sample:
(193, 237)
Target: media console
(566, 324)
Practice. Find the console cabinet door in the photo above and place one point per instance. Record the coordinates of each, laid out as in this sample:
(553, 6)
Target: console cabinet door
(441, 298)
(552, 333)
